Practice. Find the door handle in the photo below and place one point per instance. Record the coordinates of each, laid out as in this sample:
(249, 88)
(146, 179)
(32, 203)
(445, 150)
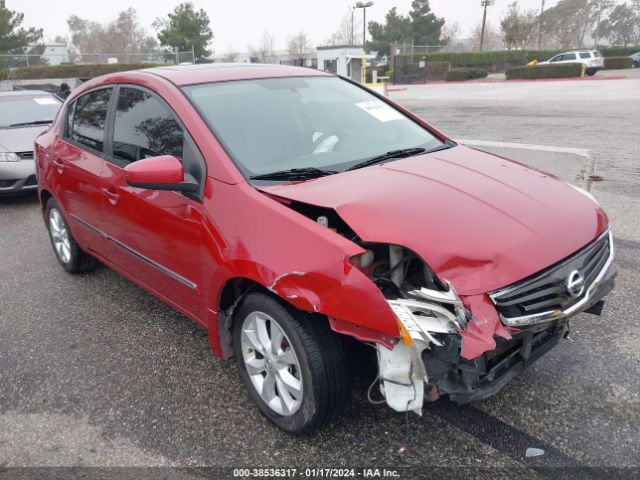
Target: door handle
(111, 195)
(59, 164)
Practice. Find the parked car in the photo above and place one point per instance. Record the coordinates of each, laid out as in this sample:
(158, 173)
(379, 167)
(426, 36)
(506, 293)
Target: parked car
(23, 116)
(293, 214)
(591, 59)
(636, 59)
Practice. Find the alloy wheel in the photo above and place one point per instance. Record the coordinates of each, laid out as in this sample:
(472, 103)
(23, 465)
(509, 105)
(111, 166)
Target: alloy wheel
(272, 364)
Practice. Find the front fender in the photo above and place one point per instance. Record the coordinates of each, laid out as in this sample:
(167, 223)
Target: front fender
(305, 264)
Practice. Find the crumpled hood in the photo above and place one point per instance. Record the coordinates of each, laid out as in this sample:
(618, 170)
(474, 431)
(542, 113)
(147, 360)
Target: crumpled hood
(19, 139)
(478, 220)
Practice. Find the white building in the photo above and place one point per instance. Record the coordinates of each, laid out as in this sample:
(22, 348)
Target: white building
(56, 53)
(345, 60)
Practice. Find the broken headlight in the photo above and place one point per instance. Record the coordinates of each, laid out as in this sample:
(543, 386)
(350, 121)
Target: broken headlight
(422, 303)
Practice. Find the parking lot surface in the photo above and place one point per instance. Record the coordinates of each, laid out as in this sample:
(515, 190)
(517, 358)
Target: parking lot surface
(96, 372)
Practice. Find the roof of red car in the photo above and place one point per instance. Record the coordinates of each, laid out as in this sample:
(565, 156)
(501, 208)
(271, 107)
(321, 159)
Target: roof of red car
(220, 72)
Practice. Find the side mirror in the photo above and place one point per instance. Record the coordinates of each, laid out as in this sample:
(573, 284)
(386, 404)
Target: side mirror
(160, 173)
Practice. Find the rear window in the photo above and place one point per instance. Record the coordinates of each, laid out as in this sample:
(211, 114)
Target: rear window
(597, 54)
(88, 118)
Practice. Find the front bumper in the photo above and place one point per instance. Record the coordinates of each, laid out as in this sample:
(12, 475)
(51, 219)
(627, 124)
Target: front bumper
(471, 380)
(432, 365)
(16, 177)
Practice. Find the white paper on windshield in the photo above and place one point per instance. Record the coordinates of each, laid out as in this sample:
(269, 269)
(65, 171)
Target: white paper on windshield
(380, 110)
(45, 101)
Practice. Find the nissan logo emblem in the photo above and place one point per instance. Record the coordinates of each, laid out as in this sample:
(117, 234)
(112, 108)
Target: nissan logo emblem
(575, 284)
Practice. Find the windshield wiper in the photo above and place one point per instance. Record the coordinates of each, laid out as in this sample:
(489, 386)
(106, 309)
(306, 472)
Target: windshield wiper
(294, 174)
(403, 153)
(35, 122)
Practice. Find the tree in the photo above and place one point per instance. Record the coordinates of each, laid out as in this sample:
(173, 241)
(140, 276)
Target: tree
(420, 27)
(426, 28)
(395, 29)
(519, 29)
(265, 50)
(569, 20)
(621, 26)
(13, 37)
(299, 48)
(492, 37)
(127, 34)
(186, 29)
(348, 31)
(450, 33)
(120, 36)
(635, 5)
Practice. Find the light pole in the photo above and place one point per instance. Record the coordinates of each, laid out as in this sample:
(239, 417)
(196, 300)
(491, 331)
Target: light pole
(540, 26)
(353, 9)
(364, 7)
(484, 4)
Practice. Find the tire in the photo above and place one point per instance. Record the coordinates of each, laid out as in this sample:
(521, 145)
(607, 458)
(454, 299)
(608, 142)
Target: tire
(591, 73)
(69, 254)
(319, 362)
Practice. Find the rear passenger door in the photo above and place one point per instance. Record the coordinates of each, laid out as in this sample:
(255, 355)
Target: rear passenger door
(154, 237)
(77, 157)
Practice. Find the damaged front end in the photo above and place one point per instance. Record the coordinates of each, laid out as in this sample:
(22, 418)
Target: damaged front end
(460, 346)
(466, 345)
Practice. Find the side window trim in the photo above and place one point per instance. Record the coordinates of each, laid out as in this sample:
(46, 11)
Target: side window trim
(72, 106)
(68, 117)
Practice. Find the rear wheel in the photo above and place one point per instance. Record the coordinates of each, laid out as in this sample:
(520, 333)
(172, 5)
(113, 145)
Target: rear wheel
(67, 251)
(293, 365)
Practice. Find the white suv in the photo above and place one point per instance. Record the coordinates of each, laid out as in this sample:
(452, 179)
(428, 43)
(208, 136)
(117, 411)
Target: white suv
(591, 59)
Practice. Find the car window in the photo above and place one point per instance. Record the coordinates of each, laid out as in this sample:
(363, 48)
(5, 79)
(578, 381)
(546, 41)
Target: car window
(597, 54)
(144, 127)
(557, 58)
(21, 109)
(89, 117)
(568, 56)
(585, 55)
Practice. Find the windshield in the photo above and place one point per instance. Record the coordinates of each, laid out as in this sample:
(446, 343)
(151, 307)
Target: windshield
(325, 123)
(23, 110)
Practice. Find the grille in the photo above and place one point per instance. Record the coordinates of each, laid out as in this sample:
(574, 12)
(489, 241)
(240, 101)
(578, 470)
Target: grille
(31, 180)
(25, 155)
(548, 291)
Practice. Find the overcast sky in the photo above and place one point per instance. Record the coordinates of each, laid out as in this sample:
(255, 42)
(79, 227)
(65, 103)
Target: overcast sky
(237, 24)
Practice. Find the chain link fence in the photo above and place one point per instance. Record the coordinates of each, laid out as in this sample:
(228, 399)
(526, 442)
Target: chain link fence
(96, 58)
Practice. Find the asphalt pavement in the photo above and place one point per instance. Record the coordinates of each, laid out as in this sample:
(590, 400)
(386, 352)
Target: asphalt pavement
(95, 371)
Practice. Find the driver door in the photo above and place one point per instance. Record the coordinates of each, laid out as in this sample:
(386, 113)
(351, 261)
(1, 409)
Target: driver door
(155, 237)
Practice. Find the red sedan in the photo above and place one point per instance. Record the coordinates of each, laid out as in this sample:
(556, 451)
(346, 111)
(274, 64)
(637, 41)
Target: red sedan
(292, 214)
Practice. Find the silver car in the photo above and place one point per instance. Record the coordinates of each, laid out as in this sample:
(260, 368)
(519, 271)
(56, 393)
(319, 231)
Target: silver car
(23, 116)
(591, 59)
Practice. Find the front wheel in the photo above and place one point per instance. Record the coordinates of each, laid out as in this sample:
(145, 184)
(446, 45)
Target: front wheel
(293, 365)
